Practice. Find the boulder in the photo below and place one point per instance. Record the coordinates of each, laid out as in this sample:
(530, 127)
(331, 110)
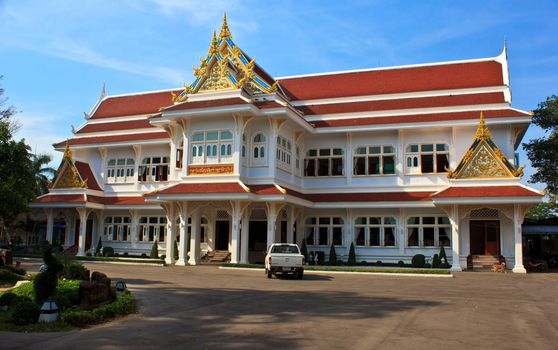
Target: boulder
(95, 292)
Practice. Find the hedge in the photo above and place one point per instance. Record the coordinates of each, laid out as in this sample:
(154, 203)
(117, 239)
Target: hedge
(124, 304)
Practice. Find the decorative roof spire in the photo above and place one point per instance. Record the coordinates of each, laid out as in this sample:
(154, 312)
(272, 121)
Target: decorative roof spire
(67, 152)
(225, 32)
(214, 47)
(103, 92)
(482, 129)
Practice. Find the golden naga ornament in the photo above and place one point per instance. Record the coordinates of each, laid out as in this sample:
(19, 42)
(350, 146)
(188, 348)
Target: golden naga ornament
(484, 159)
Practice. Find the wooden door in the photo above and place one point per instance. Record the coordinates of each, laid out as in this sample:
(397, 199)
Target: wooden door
(492, 237)
(222, 235)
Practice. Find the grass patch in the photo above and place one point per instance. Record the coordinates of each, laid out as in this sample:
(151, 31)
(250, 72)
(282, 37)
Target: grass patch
(57, 326)
(102, 258)
(355, 269)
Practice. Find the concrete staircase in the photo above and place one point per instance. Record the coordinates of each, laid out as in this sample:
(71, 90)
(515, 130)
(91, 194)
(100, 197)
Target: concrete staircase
(218, 256)
(484, 262)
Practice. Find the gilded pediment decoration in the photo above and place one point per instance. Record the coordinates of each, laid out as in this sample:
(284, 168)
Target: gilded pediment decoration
(227, 67)
(67, 175)
(484, 159)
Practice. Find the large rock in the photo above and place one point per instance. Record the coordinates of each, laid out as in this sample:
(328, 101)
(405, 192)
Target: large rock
(95, 292)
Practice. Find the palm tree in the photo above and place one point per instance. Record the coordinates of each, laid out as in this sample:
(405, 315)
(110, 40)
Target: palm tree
(43, 173)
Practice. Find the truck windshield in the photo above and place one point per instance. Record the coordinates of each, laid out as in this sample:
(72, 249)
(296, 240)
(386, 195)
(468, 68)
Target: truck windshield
(285, 249)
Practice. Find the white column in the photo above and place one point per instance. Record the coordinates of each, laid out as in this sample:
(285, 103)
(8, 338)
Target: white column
(172, 158)
(271, 220)
(290, 224)
(299, 229)
(134, 218)
(186, 147)
(82, 230)
(182, 256)
(137, 153)
(454, 220)
(402, 241)
(235, 234)
(517, 221)
(349, 158)
(195, 239)
(68, 218)
(169, 259)
(98, 230)
(50, 224)
(244, 236)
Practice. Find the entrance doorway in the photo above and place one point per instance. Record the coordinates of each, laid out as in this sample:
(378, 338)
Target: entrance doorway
(257, 242)
(485, 237)
(88, 233)
(221, 235)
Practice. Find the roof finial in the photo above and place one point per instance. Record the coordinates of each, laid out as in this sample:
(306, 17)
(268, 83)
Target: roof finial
(67, 151)
(225, 32)
(214, 47)
(482, 129)
(103, 91)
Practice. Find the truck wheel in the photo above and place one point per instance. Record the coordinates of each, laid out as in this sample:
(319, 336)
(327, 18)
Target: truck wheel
(300, 274)
(269, 274)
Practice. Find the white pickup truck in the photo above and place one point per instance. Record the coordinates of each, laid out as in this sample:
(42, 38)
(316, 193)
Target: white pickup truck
(284, 258)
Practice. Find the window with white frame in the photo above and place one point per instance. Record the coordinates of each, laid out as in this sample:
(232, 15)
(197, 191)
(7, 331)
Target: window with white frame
(374, 160)
(259, 149)
(120, 170)
(323, 231)
(297, 160)
(375, 231)
(283, 153)
(179, 155)
(154, 169)
(204, 226)
(211, 147)
(117, 228)
(152, 228)
(428, 231)
(427, 158)
(243, 149)
(324, 162)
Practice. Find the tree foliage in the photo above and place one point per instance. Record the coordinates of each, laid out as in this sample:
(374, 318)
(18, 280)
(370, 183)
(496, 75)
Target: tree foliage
(543, 152)
(543, 210)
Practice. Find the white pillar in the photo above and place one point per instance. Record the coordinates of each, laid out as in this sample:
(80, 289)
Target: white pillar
(182, 257)
(186, 151)
(69, 219)
(244, 236)
(50, 224)
(401, 241)
(195, 239)
(299, 231)
(169, 259)
(272, 212)
(235, 233)
(134, 218)
(517, 221)
(82, 230)
(454, 220)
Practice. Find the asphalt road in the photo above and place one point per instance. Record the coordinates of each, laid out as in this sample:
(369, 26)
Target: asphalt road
(206, 308)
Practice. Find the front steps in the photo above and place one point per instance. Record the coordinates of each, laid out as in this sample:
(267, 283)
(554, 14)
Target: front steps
(484, 262)
(218, 256)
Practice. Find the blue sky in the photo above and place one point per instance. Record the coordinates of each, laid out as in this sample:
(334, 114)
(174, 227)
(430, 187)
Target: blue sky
(55, 55)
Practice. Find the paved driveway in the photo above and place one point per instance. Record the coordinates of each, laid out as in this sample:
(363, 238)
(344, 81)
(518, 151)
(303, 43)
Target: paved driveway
(207, 308)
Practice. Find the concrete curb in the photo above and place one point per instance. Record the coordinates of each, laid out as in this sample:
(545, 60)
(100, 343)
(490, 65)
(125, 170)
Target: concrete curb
(352, 272)
(101, 262)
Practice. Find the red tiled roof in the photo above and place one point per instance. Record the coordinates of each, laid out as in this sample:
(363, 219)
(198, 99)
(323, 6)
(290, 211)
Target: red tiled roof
(186, 188)
(486, 191)
(369, 197)
(386, 81)
(142, 103)
(264, 189)
(127, 125)
(404, 103)
(86, 174)
(207, 103)
(115, 138)
(130, 200)
(500, 113)
(60, 198)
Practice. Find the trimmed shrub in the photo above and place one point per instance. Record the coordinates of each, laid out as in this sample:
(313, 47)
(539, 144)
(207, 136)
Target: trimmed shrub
(44, 284)
(379, 263)
(125, 254)
(442, 255)
(24, 313)
(108, 251)
(9, 277)
(175, 250)
(143, 255)
(8, 299)
(13, 269)
(352, 256)
(321, 258)
(124, 304)
(77, 271)
(418, 261)
(332, 255)
(304, 250)
(62, 301)
(427, 266)
(99, 247)
(436, 261)
(154, 251)
(401, 263)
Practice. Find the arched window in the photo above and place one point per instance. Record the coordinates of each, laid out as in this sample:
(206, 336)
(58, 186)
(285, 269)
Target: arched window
(259, 143)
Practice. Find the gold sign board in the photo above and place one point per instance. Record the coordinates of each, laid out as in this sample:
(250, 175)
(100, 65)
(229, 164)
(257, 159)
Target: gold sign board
(210, 169)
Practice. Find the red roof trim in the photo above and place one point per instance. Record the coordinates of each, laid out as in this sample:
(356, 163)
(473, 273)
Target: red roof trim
(207, 104)
(142, 103)
(486, 191)
(404, 103)
(419, 118)
(127, 125)
(115, 138)
(60, 198)
(370, 197)
(130, 200)
(200, 188)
